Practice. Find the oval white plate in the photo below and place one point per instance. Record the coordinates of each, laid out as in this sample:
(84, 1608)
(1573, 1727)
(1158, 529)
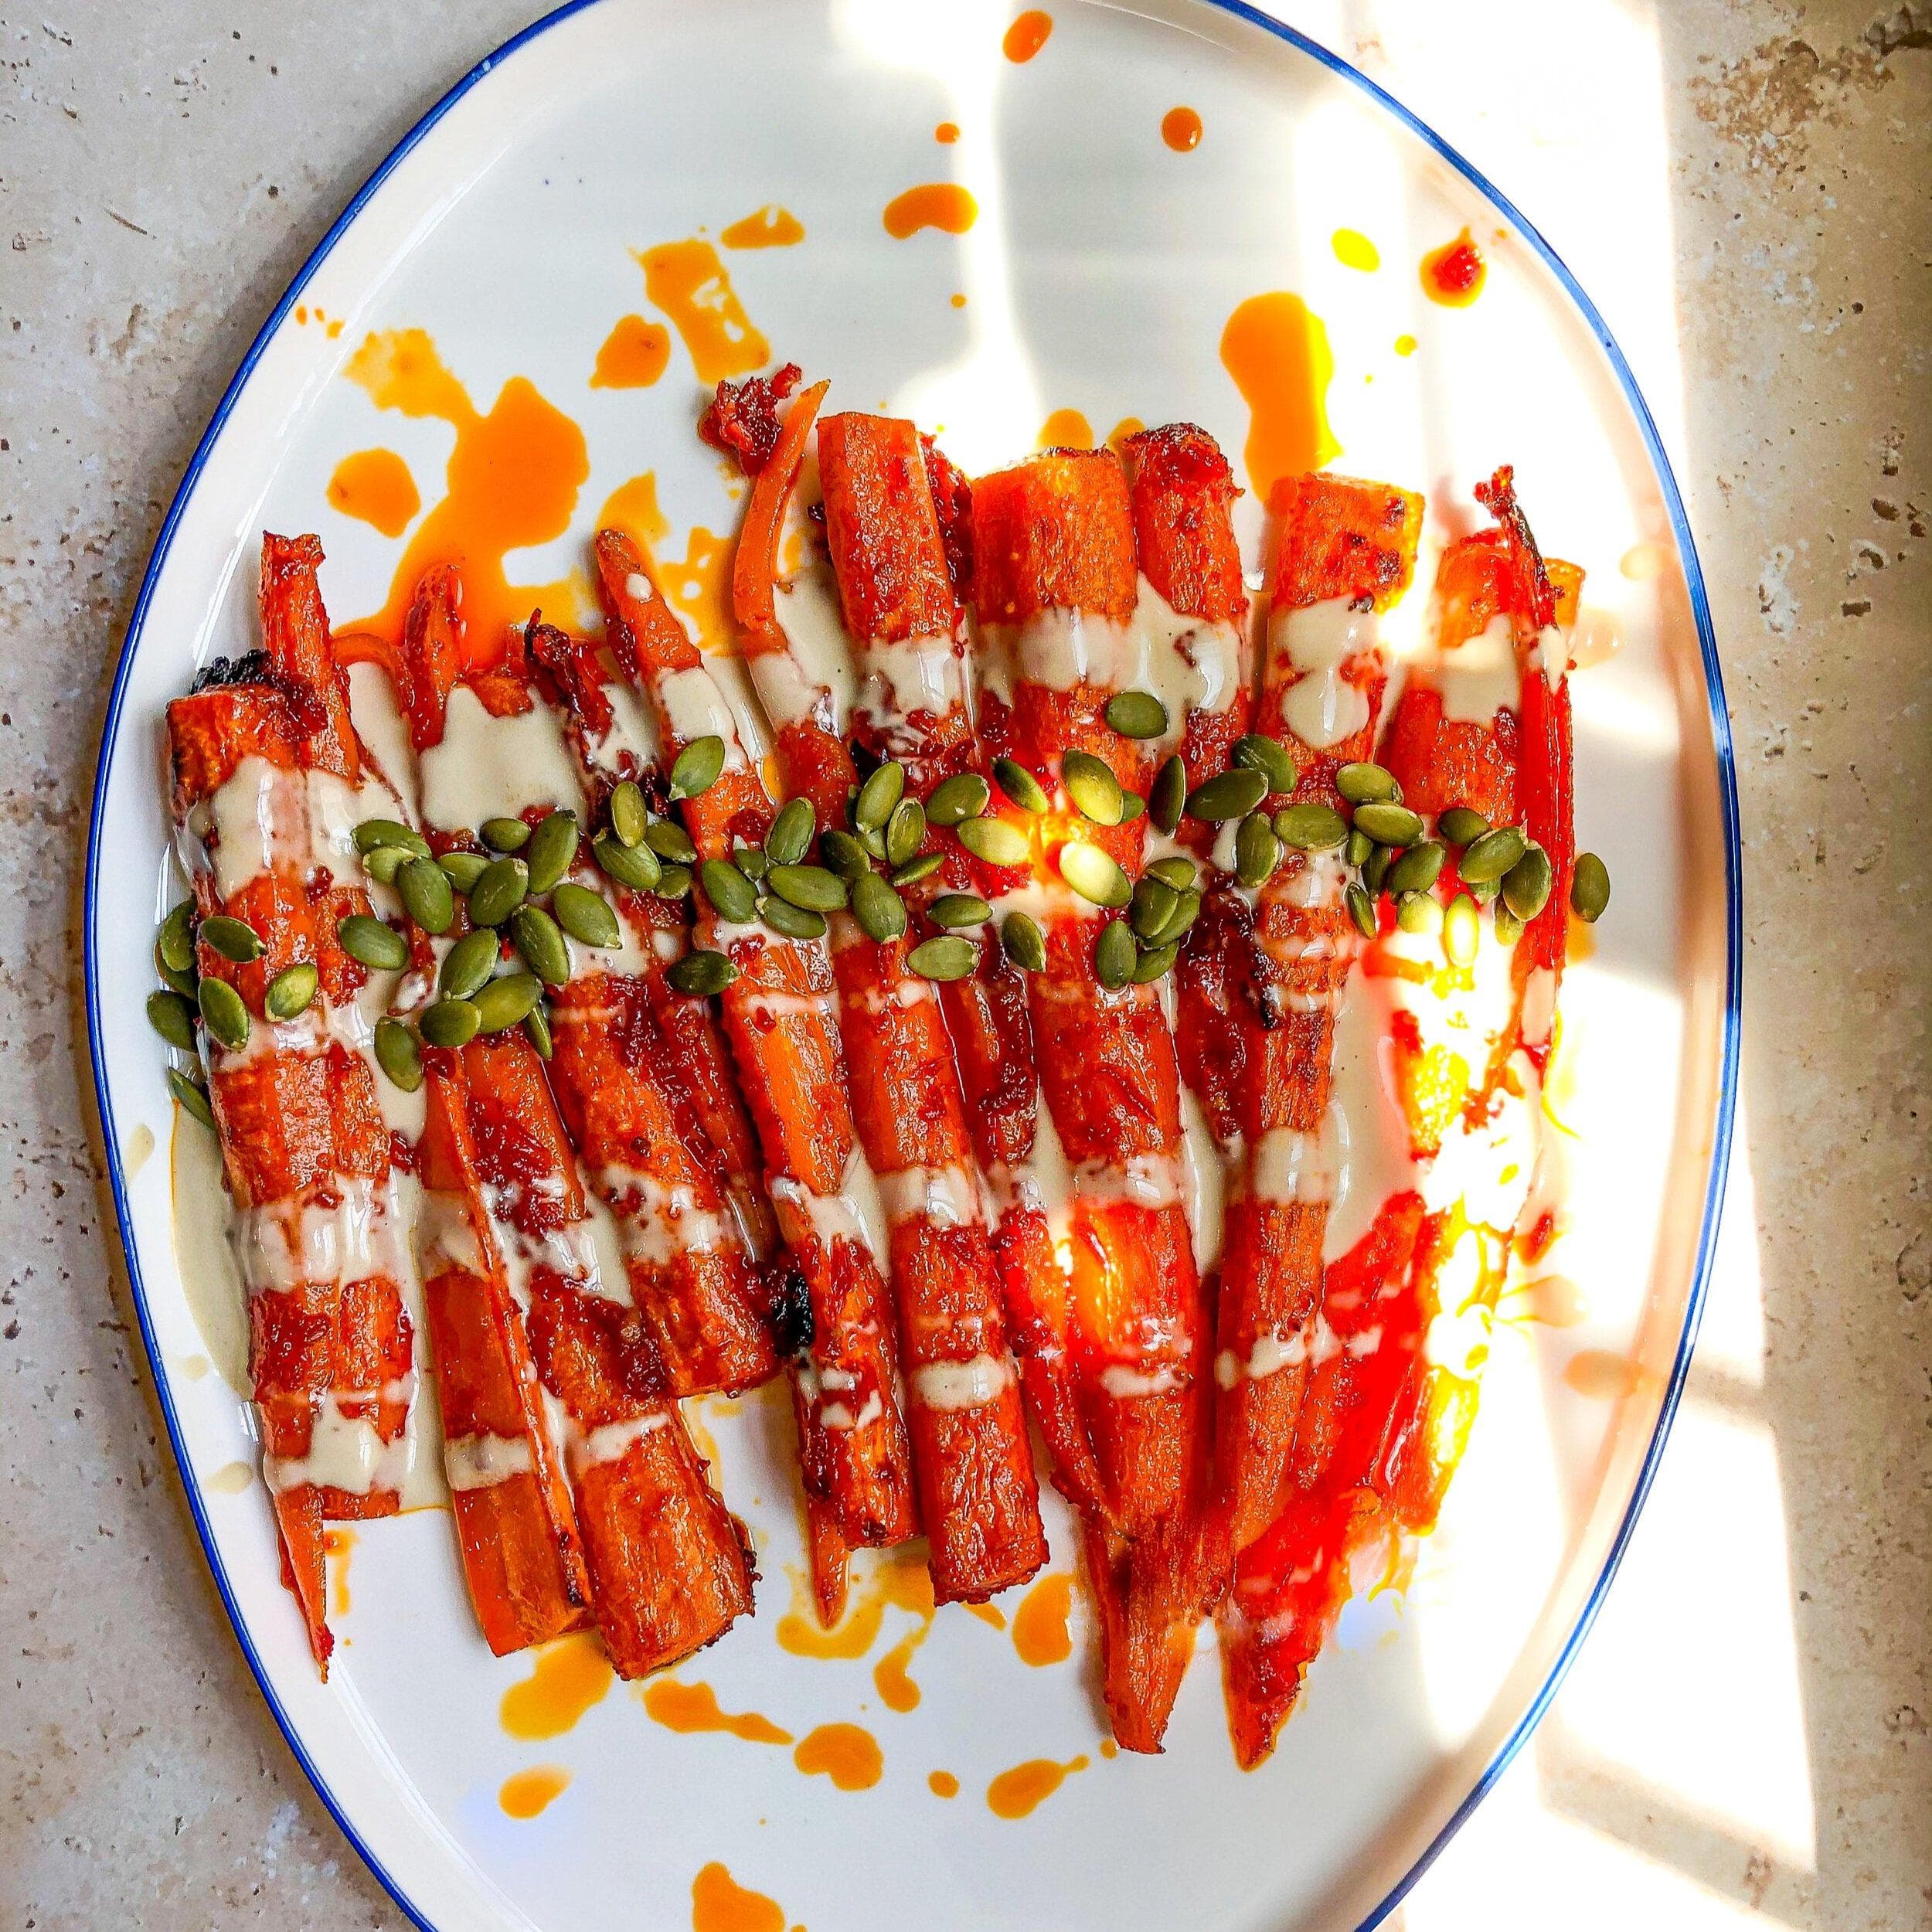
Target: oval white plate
(1098, 278)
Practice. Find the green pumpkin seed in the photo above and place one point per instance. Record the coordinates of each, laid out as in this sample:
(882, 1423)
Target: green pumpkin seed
(1526, 886)
(1357, 847)
(463, 869)
(1256, 850)
(1024, 944)
(1492, 854)
(501, 887)
(1418, 912)
(1361, 910)
(1310, 827)
(1179, 872)
(702, 972)
(628, 815)
(427, 895)
(587, 917)
(1136, 714)
(1589, 888)
(1419, 868)
(905, 832)
(1132, 805)
(1483, 891)
(1509, 927)
(794, 921)
(536, 1029)
(880, 911)
(1020, 785)
(387, 861)
(697, 766)
(1154, 903)
(184, 984)
(398, 1055)
(223, 1013)
(636, 866)
(370, 943)
(812, 887)
(552, 850)
(372, 832)
(234, 939)
(842, 854)
(1184, 916)
(192, 1095)
(752, 861)
(1167, 797)
(1094, 875)
(871, 841)
(959, 909)
(1365, 784)
(1388, 824)
(878, 795)
(1090, 784)
(1115, 955)
(790, 838)
(673, 882)
(290, 991)
(923, 867)
(1156, 964)
(173, 1018)
(540, 940)
(468, 964)
(507, 1002)
(504, 835)
(1461, 826)
(954, 800)
(1266, 755)
(669, 840)
(450, 1023)
(1233, 794)
(732, 896)
(946, 958)
(994, 841)
(1376, 873)
(1461, 930)
(175, 941)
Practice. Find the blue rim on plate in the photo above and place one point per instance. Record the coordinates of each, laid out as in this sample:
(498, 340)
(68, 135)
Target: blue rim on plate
(1733, 922)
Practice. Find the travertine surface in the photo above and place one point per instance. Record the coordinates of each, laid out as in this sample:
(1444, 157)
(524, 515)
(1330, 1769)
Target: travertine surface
(163, 170)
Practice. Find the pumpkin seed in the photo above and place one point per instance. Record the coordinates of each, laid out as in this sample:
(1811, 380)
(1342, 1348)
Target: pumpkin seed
(1461, 930)
(1492, 854)
(1363, 783)
(811, 887)
(586, 916)
(450, 1023)
(878, 795)
(505, 1002)
(1388, 824)
(923, 867)
(673, 882)
(1461, 826)
(1132, 805)
(959, 909)
(1419, 868)
(843, 854)
(1256, 850)
(1156, 964)
(426, 894)
(871, 841)
(702, 972)
(732, 896)
(1233, 794)
(794, 921)
(223, 1013)
(1024, 944)
(185, 984)
(905, 832)
(192, 1095)
(628, 815)
(1136, 714)
(1090, 784)
(370, 943)
(790, 837)
(536, 1029)
(1418, 912)
(1175, 871)
(1184, 916)
(290, 991)
(1266, 755)
(398, 1055)
(552, 850)
(697, 766)
(1361, 910)
(540, 940)
(173, 1018)
(500, 888)
(945, 958)
(504, 835)
(1376, 871)
(669, 840)
(880, 911)
(234, 939)
(1483, 891)
(463, 869)
(1167, 797)
(1115, 954)
(1590, 888)
(1526, 886)
(753, 861)
(994, 841)
(1094, 875)
(1020, 785)
(1356, 848)
(636, 866)
(385, 861)
(175, 941)
(1509, 927)
(956, 799)
(468, 964)
(1310, 827)
(1154, 903)
(372, 832)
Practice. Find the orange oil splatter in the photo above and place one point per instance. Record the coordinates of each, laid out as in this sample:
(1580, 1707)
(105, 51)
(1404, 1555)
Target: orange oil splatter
(633, 356)
(1354, 249)
(959, 298)
(891, 1675)
(1405, 345)
(337, 1544)
(1453, 275)
(1027, 36)
(525, 1794)
(1117, 437)
(1580, 941)
(1109, 1748)
(849, 1754)
(334, 327)
(632, 508)
(1016, 1793)
(898, 1582)
(944, 205)
(566, 1678)
(1066, 429)
(1277, 353)
(375, 487)
(301, 315)
(947, 133)
(720, 1904)
(687, 282)
(691, 1707)
(770, 226)
(1598, 1373)
(699, 584)
(942, 1783)
(1181, 129)
(1040, 1635)
(987, 1614)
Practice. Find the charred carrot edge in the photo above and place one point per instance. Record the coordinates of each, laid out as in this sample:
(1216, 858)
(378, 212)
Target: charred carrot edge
(778, 1018)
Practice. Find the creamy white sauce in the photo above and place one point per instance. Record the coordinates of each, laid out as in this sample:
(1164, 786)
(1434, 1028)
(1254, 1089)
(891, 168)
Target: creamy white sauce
(1478, 677)
(211, 1279)
(489, 767)
(446, 1237)
(855, 1213)
(695, 707)
(657, 1221)
(948, 1386)
(1294, 1168)
(815, 676)
(1204, 1182)
(1309, 649)
(1271, 1354)
(840, 1415)
(1143, 1180)
(268, 817)
(1125, 1384)
(344, 1452)
(923, 674)
(946, 1196)
(611, 1441)
(1538, 1004)
(628, 747)
(482, 1461)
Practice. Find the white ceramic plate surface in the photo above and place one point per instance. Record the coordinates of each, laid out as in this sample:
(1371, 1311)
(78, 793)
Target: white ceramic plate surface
(1099, 277)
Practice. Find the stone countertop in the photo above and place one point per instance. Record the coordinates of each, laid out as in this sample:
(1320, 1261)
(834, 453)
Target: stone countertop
(1747, 190)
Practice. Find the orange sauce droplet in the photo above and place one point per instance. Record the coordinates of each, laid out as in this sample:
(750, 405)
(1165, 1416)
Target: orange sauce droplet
(1580, 941)
(1597, 1372)
(1405, 345)
(900, 1582)
(848, 1754)
(527, 1794)
(566, 1678)
(1453, 275)
(375, 487)
(1027, 36)
(699, 584)
(1354, 249)
(511, 480)
(1181, 129)
(301, 315)
(633, 356)
(770, 226)
(1109, 1748)
(691, 1707)
(334, 327)
(947, 133)
(1066, 429)
(1278, 354)
(1040, 1635)
(720, 1904)
(942, 1783)
(1014, 1793)
(987, 1614)
(1117, 437)
(959, 300)
(337, 1543)
(891, 1676)
(632, 508)
(687, 282)
(944, 205)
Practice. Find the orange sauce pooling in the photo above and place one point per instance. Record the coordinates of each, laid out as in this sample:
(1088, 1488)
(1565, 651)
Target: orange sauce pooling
(375, 487)
(567, 1678)
(1117, 437)
(633, 356)
(720, 1904)
(1040, 1635)
(891, 1675)
(770, 226)
(899, 1583)
(848, 1754)
(694, 1707)
(686, 279)
(1016, 1793)
(526, 1793)
(1027, 36)
(942, 1783)
(1277, 353)
(1066, 429)
(1181, 129)
(337, 1543)
(987, 1614)
(947, 133)
(632, 508)
(944, 205)
(1453, 275)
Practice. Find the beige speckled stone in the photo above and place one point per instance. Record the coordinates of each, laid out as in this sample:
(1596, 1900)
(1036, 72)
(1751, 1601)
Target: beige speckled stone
(163, 170)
